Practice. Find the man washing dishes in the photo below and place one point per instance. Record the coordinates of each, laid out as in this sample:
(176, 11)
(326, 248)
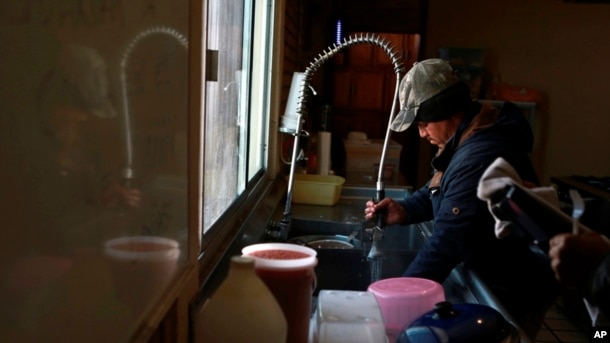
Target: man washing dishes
(469, 135)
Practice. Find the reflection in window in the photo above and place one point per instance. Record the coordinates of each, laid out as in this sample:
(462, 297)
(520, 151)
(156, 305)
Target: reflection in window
(64, 149)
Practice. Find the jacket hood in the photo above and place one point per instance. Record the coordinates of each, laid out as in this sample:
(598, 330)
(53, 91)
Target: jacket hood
(484, 123)
(510, 125)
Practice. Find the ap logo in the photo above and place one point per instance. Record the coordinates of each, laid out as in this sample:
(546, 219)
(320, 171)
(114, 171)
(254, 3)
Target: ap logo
(600, 335)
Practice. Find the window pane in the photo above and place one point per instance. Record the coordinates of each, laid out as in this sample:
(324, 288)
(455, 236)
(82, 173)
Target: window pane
(261, 83)
(226, 106)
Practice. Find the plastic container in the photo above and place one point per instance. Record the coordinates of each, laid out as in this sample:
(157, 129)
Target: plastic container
(316, 189)
(404, 299)
(363, 155)
(288, 271)
(141, 267)
(242, 309)
(308, 261)
(348, 317)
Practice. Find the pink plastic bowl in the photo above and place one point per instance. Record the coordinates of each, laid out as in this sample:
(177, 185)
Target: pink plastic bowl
(404, 299)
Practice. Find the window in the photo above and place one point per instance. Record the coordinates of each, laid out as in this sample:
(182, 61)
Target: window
(235, 117)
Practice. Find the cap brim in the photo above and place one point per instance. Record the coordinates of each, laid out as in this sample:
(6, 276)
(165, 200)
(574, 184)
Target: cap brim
(408, 110)
(403, 120)
(102, 108)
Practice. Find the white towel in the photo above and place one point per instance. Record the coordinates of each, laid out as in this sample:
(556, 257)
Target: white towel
(500, 174)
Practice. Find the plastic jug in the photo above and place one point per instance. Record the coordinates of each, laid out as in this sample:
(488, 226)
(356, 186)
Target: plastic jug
(242, 309)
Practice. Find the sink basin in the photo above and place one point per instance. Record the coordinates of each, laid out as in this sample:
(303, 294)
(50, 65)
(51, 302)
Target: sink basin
(352, 191)
(396, 237)
(349, 269)
(327, 242)
(305, 227)
(343, 263)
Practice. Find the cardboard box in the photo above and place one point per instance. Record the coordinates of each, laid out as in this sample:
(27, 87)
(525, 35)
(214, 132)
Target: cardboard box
(362, 159)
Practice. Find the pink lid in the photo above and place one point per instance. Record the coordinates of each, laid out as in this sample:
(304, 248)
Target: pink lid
(405, 287)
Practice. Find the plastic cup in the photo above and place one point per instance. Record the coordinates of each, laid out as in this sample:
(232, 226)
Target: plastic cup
(288, 272)
(141, 266)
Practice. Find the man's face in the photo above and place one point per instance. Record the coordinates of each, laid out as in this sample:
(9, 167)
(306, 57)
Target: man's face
(67, 123)
(438, 133)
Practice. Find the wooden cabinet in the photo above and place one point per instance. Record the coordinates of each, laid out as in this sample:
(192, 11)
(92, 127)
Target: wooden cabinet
(359, 102)
(364, 85)
(360, 90)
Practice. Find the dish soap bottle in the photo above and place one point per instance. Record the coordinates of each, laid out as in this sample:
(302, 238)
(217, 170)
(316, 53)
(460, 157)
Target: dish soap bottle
(242, 309)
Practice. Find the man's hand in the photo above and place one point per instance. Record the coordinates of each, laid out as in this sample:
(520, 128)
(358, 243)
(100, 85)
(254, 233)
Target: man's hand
(117, 194)
(574, 257)
(395, 214)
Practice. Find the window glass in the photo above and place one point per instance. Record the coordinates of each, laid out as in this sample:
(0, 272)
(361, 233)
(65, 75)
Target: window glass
(234, 142)
(93, 148)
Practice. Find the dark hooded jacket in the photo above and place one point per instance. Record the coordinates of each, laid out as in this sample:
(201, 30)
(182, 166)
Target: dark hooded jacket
(463, 228)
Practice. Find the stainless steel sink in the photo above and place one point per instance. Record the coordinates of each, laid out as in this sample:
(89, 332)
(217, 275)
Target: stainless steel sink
(349, 269)
(396, 237)
(352, 191)
(303, 226)
(327, 241)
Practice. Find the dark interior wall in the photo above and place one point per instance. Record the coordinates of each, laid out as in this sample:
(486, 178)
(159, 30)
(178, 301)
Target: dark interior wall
(397, 16)
(309, 29)
(293, 30)
(556, 47)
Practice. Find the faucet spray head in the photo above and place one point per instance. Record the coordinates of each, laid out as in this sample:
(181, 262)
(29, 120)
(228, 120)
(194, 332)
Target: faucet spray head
(375, 253)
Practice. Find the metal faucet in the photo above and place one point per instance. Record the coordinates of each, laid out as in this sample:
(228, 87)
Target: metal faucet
(128, 172)
(388, 48)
